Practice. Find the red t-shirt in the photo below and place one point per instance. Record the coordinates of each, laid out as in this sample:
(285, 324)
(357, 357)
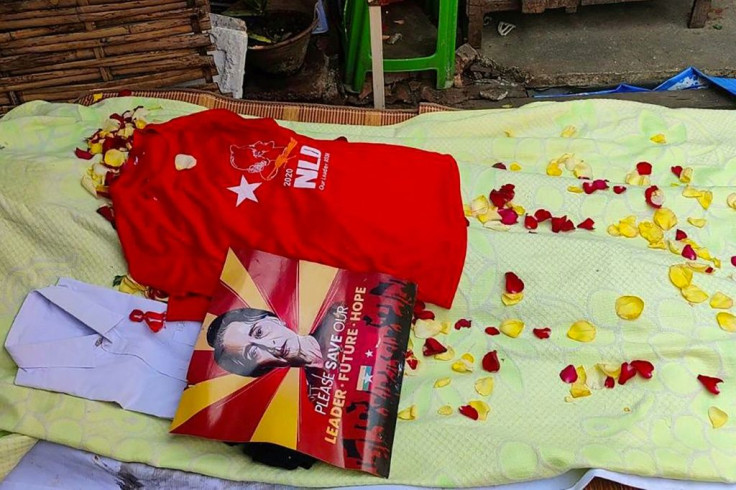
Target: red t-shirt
(198, 184)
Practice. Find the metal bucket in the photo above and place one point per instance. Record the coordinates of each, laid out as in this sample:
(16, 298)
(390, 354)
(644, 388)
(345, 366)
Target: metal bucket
(286, 57)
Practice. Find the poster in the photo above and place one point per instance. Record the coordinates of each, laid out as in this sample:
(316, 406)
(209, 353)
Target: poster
(303, 355)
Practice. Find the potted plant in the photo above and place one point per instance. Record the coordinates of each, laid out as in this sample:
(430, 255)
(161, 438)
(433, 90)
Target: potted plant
(278, 32)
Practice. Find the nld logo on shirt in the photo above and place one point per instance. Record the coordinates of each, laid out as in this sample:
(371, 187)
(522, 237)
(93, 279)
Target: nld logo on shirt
(311, 170)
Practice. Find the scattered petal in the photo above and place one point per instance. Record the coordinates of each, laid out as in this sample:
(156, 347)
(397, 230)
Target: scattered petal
(582, 170)
(609, 383)
(705, 199)
(689, 253)
(651, 232)
(588, 188)
(542, 215)
(542, 333)
(627, 372)
(479, 205)
(447, 355)
(576, 190)
(654, 196)
(184, 162)
(587, 224)
(627, 227)
(433, 347)
(508, 216)
(644, 168)
(512, 327)
(411, 360)
(481, 408)
(665, 218)
(694, 294)
(643, 368)
(511, 299)
(424, 315)
(499, 165)
(710, 383)
(114, 158)
(582, 331)
(83, 154)
(409, 413)
(445, 410)
(484, 386)
(553, 169)
(579, 390)
(634, 178)
(691, 192)
(95, 148)
(569, 131)
(490, 362)
(530, 222)
(442, 382)
(731, 200)
(629, 307)
(677, 170)
(515, 167)
(464, 364)
(733, 261)
(424, 329)
(619, 189)
(726, 321)
(613, 230)
(659, 139)
(463, 323)
(513, 283)
(687, 175)
(519, 210)
(569, 374)
(720, 301)
(718, 417)
(610, 370)
(503, 195)
(492, 331)
(562, 224)
(681, 276)
(680, 235)
(468, 411)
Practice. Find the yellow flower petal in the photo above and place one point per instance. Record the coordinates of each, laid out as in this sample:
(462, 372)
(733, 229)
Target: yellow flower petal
(468, 357)
(659, 245)
(687, 175)
(409, 413)
(629, 307)
(510, 299)
(691, 192)
(140, 123)
(613, 230)
(95, 148)
(720, 301)
(718, 417)
(464, 364)
(424, 329)
(514, 167)
(114, 158)
(582, 375)
(445, 410)
(496, 226)
(579, 390)
(609, 369)
(697, 222)
(466, 210)
(491, 214)
(484, 386)
(575, 189)
(674, 247)
(716, 262)
(582, 331)
(410, 345)
(96, 97)
(694, 294)
(697, 266)
(553, 169)
(665, 218)
(569, 161)
(731, 200)
(634, 178)
(448, 355)
(680, 276)
(651, 232)
(703, 253)
(628, 230)
(659, 138)
(479, 205)
(511, 327)
(446, 328)
(569, 131)
(705, 199)
(582, 169)
(481, 407)
(726, 321)
(508, 133)
(442, 382)
(519, 209)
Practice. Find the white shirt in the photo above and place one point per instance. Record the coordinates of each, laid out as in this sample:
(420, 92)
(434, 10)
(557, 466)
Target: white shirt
(77, 338)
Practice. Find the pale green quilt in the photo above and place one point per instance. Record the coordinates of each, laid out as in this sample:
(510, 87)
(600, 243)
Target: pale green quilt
(49, 228)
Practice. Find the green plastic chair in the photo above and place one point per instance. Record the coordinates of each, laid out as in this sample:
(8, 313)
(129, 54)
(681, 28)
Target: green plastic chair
(357, 45)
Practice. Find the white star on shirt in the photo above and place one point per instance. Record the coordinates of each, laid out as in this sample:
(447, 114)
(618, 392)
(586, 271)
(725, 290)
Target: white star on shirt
(368, 379)
(245, 191)
(369, 353)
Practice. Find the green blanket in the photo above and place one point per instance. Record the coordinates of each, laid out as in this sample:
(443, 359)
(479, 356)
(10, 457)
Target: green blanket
(659, 426)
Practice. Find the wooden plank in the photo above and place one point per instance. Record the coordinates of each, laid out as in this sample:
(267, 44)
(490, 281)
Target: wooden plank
(374, 16)
(699, 14)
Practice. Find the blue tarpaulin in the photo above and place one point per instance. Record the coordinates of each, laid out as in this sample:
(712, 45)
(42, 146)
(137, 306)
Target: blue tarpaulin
(688, 79)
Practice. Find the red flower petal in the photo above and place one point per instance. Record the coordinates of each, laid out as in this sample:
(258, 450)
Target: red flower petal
(600, 184)
(689, 253)
(490, 362)
(413, 362)
(619, 189)
(107, 213)
(125, 93)
(589, 187)
(627, 372)
(654, 197)
(677, 170)
(432, 347)
(118, 118)
(462, 323)
(710, 383)
(609, 383)
(502, 196)
(709, 270)
(644, 368)
(569, 374)
(587, 224)
(499, 165)
(424, 315)
(644, 168)
(419, 305)
(680, 235)
(492, 331)
(513, 283)
(733, 261)
(469, 412)
(542, 333)
(542, 215)
(562, 223)
(530, 222)
(508, 216)
(83, 154)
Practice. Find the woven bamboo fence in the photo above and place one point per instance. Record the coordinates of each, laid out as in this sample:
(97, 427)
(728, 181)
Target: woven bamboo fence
(57, 50)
